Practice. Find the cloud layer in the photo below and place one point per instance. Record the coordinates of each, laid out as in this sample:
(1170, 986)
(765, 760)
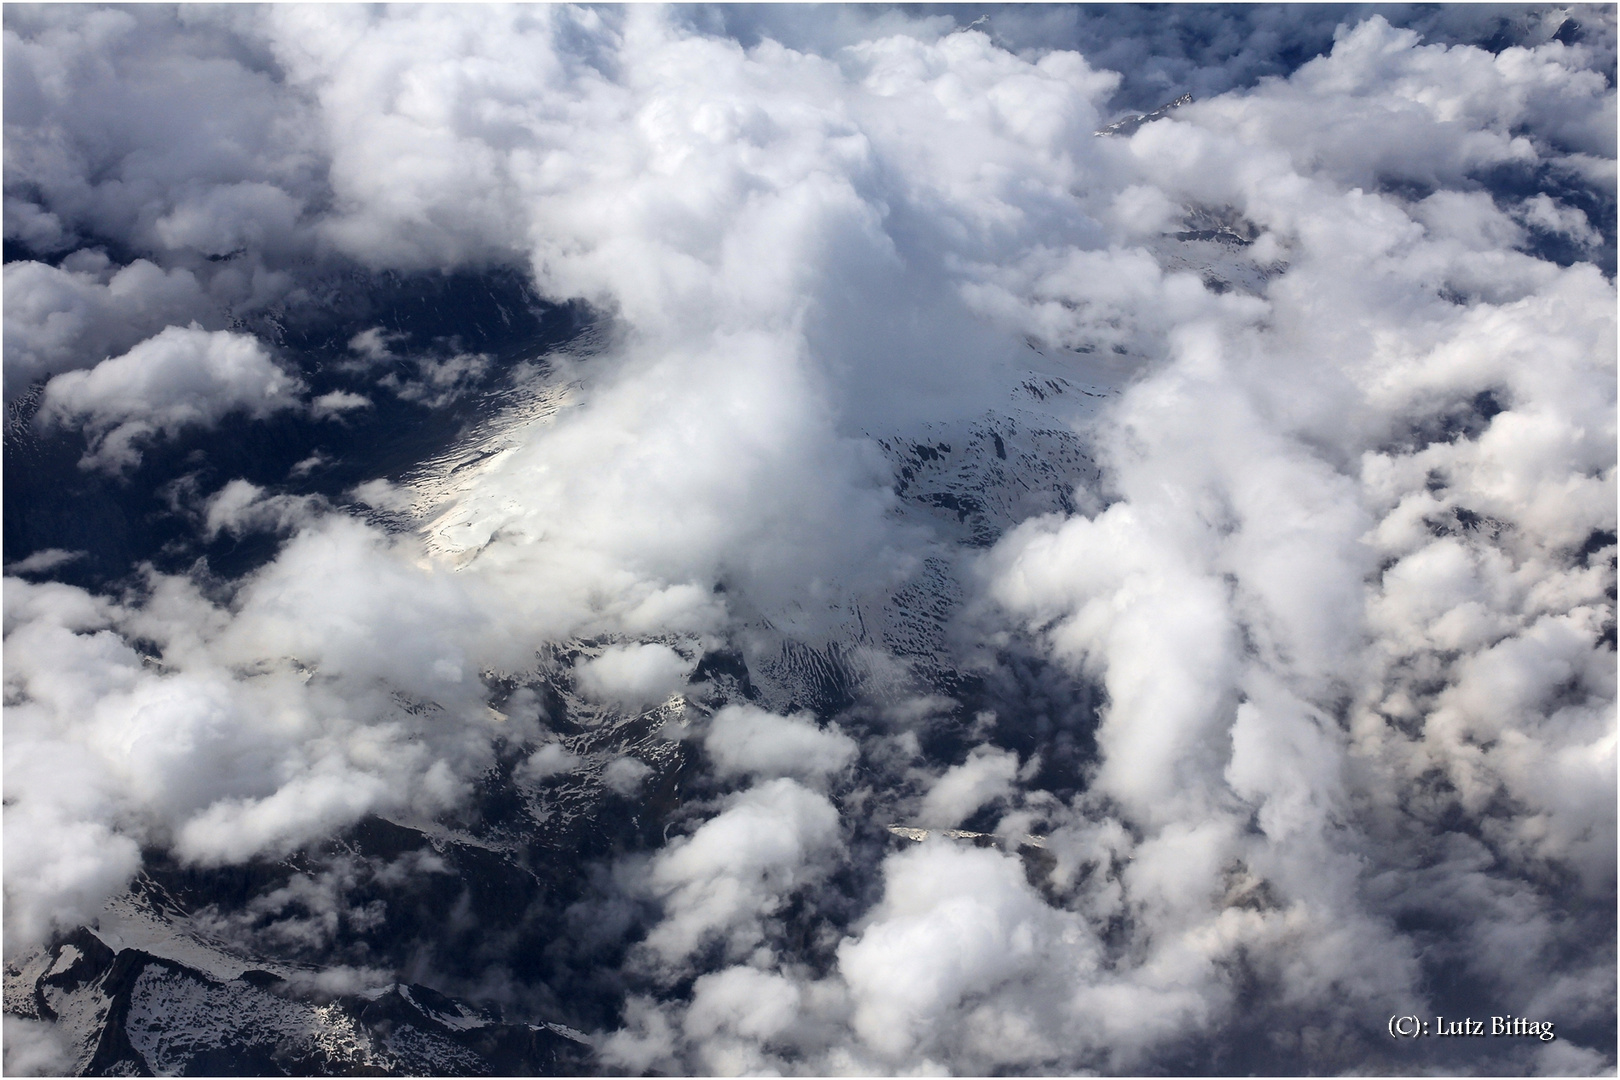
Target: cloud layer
(1336, 338)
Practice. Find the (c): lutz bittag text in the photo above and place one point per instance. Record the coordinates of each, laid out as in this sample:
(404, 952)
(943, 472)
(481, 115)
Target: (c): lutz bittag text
(1415, 1027)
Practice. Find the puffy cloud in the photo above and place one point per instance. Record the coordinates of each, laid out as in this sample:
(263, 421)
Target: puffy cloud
(35, 1048)
(72, 866)
(1251, 602)
(240, 507)
(1363, 113)
(151, 127)
(548, 761)
(182, 377)
(625, 775)
(236, 829)
(1340, 590)
(155, 134)
(738, 868)
(1543, 212)
(755, 1004)
(747, 740)
(986, 775)
(84, 311)
(253, 730)
(954, 924)
(633, 675)
(337, 402)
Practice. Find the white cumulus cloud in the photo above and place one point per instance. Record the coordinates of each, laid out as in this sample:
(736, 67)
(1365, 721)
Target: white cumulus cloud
(179, 378)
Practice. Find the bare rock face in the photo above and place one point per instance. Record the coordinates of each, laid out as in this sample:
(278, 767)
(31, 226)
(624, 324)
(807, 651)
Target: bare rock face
(1127, 125)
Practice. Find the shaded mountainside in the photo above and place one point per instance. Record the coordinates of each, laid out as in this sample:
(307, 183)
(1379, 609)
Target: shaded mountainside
(136, 1014)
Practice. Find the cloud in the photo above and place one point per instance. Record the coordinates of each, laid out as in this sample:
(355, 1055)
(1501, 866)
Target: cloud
(317, 804)
(985, 776)
(240, 507)
(755, 1004)
(738, 868)
(35, 1048)
(1236, 601)
(337, 402)
(257, 730)
(1330, 619)
(634, 676)
(1543, 212)
(625, 775)
(114, 148)
(41, 562)
(78, 314)
(953, 924)
(381, 494)
(746, 740)
(177, 379)
(439, 382)
(113, 136)
(73, 866)
(548, 761)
